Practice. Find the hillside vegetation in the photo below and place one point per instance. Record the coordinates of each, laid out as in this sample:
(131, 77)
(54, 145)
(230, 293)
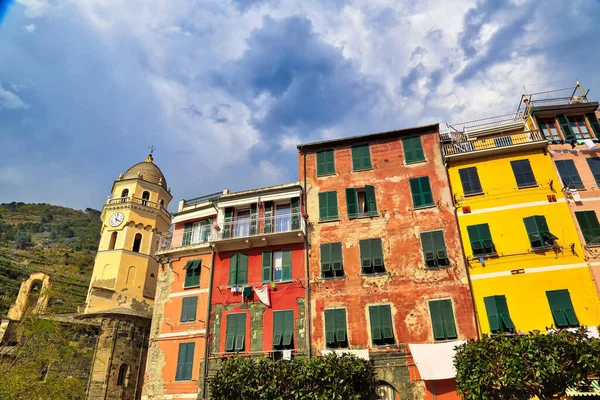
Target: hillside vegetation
(59, 241)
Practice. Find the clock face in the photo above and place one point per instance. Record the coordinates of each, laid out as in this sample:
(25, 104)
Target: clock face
(116, 219)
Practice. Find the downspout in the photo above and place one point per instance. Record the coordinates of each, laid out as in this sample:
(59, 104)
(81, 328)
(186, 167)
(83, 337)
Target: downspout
(207, 323)
(306, 272)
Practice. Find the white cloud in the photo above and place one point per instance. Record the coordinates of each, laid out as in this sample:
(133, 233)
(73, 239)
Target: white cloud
(35, 8)
(10, 101)
(29, 28)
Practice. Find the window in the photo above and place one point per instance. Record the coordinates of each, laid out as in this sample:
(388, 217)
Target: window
(192, 273)
(332, 264)
(498, 315)
(283, 217)
(196, 232)
(382, 331)
(283, 330)
(125, 193)
(335, 328)
(113, 240)
(361, 202)
(277, 266)
(481, 240)
(238, 269)
(588, 223)
(442, 319)
(569, 175)
(565, 127)
(325, 163)
(470, 180)
(421, 192)
(242, 223)
(235, 337)
(145, 198)
(137, 242)
(361, 158)
(579, 128)
(562, 309)
(538, 232)
(413, 149)
(185, 360)
(593, 121)
(188, 309)
(594, 164)
(162, 202)
(371, 256)
(328, 209)
(434, 249)
(122, 377)
(549, 129)
(523, 173)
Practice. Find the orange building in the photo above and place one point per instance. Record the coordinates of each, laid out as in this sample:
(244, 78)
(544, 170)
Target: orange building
(178, 334)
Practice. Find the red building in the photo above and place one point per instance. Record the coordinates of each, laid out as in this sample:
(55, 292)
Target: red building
(386, 267)
(258, 284)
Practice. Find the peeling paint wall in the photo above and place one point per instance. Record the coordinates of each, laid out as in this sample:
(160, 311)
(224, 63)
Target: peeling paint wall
(407, 285)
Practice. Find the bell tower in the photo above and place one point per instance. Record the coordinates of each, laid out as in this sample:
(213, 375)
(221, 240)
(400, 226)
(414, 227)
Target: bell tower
(121, 292)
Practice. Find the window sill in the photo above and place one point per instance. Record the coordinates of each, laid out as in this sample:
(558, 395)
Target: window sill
(376, 274)
(533, 185)
(445, 340)
(415, 162)
(186, 322)
(473, 194)
(538, 249)
(333, 278)
(323, 175)
(329, 220)
(371, 214)
(191, 287)
(486, 255)
(424, 206)
(437, 268)
(362, 169)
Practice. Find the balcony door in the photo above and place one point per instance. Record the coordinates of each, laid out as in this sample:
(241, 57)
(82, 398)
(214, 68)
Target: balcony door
(283, 218)
(242, 223)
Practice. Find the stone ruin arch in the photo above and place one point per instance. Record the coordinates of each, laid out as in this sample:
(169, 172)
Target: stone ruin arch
(22, 305)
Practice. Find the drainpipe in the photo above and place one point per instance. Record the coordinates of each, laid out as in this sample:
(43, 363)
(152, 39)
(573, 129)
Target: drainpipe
(207, 323)
(307, 296)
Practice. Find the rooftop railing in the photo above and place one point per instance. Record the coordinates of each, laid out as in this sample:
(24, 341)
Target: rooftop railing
(201, 199)
(448, 132)
(245, 227)
(180, 239)
(451, 149)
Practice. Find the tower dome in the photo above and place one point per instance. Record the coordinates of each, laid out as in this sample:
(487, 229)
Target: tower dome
(148, 171)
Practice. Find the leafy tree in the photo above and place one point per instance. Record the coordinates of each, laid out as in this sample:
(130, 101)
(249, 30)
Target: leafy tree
(517, 367)
(332, 377)
(22, 239)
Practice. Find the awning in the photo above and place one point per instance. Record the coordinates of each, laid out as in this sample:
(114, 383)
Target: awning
(435, 361)
(193, 264)
(594, 391)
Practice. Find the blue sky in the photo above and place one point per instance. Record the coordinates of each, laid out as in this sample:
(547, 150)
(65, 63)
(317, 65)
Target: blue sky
(226, 89)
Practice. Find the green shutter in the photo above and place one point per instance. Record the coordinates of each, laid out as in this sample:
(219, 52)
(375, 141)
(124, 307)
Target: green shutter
(277, 328)
(535, 238)
(187, 234)
(337, 262)
(387, 329)
(184, 310)
(439, 244)
(325, 163)
(569, 174)
(370, 199)
(340, 326)
(230, 332)
(593, 120)
(192, 273)
(413, 150)
(492, 313)
(323, 206)
(556, 307)
(563, 121)
(295, 210)
(242, 277)
(361, 158)
(268, 228)
(448, 315)
(286, 265)
(437, 320)
(503, 312)
(375, 318)
(188, 309)
(288, 328)
(428, 249)
(227, 222)
(233, 270)
(523, 173)
(481, 239)
(332, 205)
(588, 223)
(240, 332)
(326, 259)
(376, 254)
(185, 359)
(470, 180)
(267, 266)
(330, 322)
(594, 164)
(351, 203)
(253, 219)
(365, 255)
(421, 192)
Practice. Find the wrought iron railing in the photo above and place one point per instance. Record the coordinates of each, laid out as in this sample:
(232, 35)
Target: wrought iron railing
(179, 239)
(244, 227)
(201, 199)
(450, 149)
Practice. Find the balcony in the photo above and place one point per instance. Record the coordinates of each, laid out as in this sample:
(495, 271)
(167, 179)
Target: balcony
(131, 200)
(472, 148)
(197, 237)
(497, 124)
(245, 232)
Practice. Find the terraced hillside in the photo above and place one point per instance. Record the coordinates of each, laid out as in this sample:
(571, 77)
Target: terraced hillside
(59, 241)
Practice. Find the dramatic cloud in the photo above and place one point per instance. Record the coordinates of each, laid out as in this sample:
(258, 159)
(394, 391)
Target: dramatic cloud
(226, 89)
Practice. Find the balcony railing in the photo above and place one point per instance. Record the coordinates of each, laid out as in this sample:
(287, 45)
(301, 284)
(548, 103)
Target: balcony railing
(556, 97)
(180, 239)
(201, 199)
(451, 149)
(450, 131)
(136, 200)
(245, 227)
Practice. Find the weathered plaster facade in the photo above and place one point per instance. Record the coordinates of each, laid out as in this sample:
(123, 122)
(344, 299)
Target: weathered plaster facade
(407, 285)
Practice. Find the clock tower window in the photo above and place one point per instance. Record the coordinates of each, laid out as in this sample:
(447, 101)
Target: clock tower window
(113, 241)
(145, 196)
(125, 193)
(137, 242)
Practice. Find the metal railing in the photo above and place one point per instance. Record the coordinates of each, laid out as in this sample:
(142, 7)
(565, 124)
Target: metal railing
(136, 200)
(179, 239)
(556, 97)
(450, 149)
(245, 227)
(201, 199)
(447, 131)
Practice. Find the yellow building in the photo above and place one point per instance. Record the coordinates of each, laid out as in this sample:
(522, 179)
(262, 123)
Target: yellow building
(527, 265)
